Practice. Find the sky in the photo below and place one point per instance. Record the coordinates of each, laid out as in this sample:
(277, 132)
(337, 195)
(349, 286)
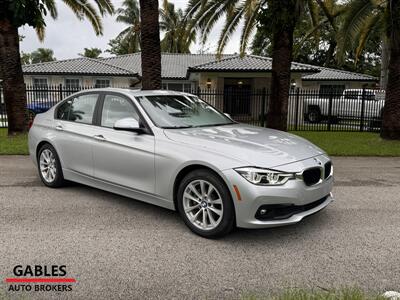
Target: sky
(67, 36)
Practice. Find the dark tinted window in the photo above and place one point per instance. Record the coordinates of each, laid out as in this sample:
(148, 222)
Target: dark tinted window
(79, 109)
(116, 108)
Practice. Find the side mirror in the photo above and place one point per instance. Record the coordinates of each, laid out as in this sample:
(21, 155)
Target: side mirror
(128, 124)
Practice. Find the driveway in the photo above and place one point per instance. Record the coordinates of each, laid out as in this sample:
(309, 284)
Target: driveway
(120, 248)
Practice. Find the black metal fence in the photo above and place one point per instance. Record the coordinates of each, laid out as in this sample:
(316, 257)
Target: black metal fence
(309, 110)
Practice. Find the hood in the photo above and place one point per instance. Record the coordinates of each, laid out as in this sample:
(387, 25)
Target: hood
(257, 146)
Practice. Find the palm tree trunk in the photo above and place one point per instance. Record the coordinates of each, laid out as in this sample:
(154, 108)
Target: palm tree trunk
(391, 111)
(150, 45)
(13, 79)
(385, 55)
(281, 61)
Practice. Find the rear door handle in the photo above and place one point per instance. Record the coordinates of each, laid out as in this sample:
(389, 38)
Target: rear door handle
(99, 137)
(59, 127)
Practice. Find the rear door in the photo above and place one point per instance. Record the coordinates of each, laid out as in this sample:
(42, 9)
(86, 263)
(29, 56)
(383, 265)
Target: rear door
(74, 132)
(123, 157)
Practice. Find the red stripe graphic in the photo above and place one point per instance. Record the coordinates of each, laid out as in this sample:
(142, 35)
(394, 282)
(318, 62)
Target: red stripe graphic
(37, 280)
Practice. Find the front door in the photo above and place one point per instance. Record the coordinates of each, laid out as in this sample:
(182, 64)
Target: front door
(122, 157)
(237, 99)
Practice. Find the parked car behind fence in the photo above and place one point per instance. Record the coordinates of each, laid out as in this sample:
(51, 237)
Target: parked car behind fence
(353, 104)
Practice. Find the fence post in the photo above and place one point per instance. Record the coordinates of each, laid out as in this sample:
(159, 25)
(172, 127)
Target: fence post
(297, 108)
(263, 99)
(330, 109)
(60, 91)
(198, 91)
(362, 110)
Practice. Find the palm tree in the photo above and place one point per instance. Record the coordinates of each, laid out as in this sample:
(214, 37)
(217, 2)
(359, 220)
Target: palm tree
(287, 13)
(91, 52)
(178, 34)
(150, 44)
(361, 18)
(42, 55)
(129, 14)
(16, 13)
(280, 16)
(391, 112)
(205, 14)
(314, 36)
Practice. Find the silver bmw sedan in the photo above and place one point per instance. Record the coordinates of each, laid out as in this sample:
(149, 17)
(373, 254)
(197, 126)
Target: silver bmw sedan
(174, 150)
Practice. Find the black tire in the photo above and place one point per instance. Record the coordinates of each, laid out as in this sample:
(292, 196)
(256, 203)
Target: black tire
(59, 177)
(227, 221)
(314, 115)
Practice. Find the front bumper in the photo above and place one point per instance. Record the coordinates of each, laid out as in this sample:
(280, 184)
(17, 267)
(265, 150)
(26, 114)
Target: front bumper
(294, 192)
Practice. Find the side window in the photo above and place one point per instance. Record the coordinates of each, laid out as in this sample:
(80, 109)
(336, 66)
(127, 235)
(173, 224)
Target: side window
(102, 83)
(351, 95)
(79, 109)
(116, 108)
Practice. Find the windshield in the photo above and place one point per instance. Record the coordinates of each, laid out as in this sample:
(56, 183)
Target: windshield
(178, 111)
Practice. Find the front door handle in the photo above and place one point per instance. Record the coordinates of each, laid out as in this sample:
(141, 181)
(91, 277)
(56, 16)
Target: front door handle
(99, 137)
(59, 127)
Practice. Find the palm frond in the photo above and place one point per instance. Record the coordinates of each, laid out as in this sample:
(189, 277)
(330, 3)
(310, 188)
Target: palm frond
(105, 7)
(211, 13)
(314, 11)
(51, 8)
(81, 9)
(251, 14)
(40, 32)
(357, 12)
(369, 25)
(231, 23)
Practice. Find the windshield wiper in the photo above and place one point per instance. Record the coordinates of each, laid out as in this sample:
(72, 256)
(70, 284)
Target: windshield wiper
(176, 127)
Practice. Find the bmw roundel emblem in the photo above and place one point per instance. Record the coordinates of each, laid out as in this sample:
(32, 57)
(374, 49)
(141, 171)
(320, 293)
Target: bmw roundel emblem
(318, 161)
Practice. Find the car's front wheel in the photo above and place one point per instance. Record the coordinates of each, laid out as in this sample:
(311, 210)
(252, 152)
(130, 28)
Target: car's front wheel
(49, 166)
(205, 204)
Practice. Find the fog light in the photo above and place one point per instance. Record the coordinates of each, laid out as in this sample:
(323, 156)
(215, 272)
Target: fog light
(263, 211)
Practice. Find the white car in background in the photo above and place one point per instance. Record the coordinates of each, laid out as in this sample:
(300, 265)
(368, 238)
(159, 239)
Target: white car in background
(348, 106)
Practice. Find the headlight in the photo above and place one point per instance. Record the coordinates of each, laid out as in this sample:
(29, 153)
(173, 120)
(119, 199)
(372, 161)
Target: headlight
(264, 176)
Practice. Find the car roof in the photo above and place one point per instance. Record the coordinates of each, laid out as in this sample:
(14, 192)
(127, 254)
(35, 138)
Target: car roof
(137, 92)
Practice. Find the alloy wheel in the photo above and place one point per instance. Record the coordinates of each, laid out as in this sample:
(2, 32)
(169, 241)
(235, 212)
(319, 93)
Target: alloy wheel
(202, 204)
(48, 168)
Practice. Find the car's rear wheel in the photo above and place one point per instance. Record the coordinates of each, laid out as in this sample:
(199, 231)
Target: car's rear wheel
(49, 166)
(205, 204)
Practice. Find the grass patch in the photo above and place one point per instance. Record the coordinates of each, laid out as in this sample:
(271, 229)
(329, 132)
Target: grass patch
(13, 145)
(351, 143)
(343, 294)
(334, 143)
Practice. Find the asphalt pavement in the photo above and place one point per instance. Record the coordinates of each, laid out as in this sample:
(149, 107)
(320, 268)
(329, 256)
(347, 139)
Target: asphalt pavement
(117, 247)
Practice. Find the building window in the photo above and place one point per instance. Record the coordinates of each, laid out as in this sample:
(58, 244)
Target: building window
(178, 86)
(40, 88)
(102, 83)
(72, 83)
